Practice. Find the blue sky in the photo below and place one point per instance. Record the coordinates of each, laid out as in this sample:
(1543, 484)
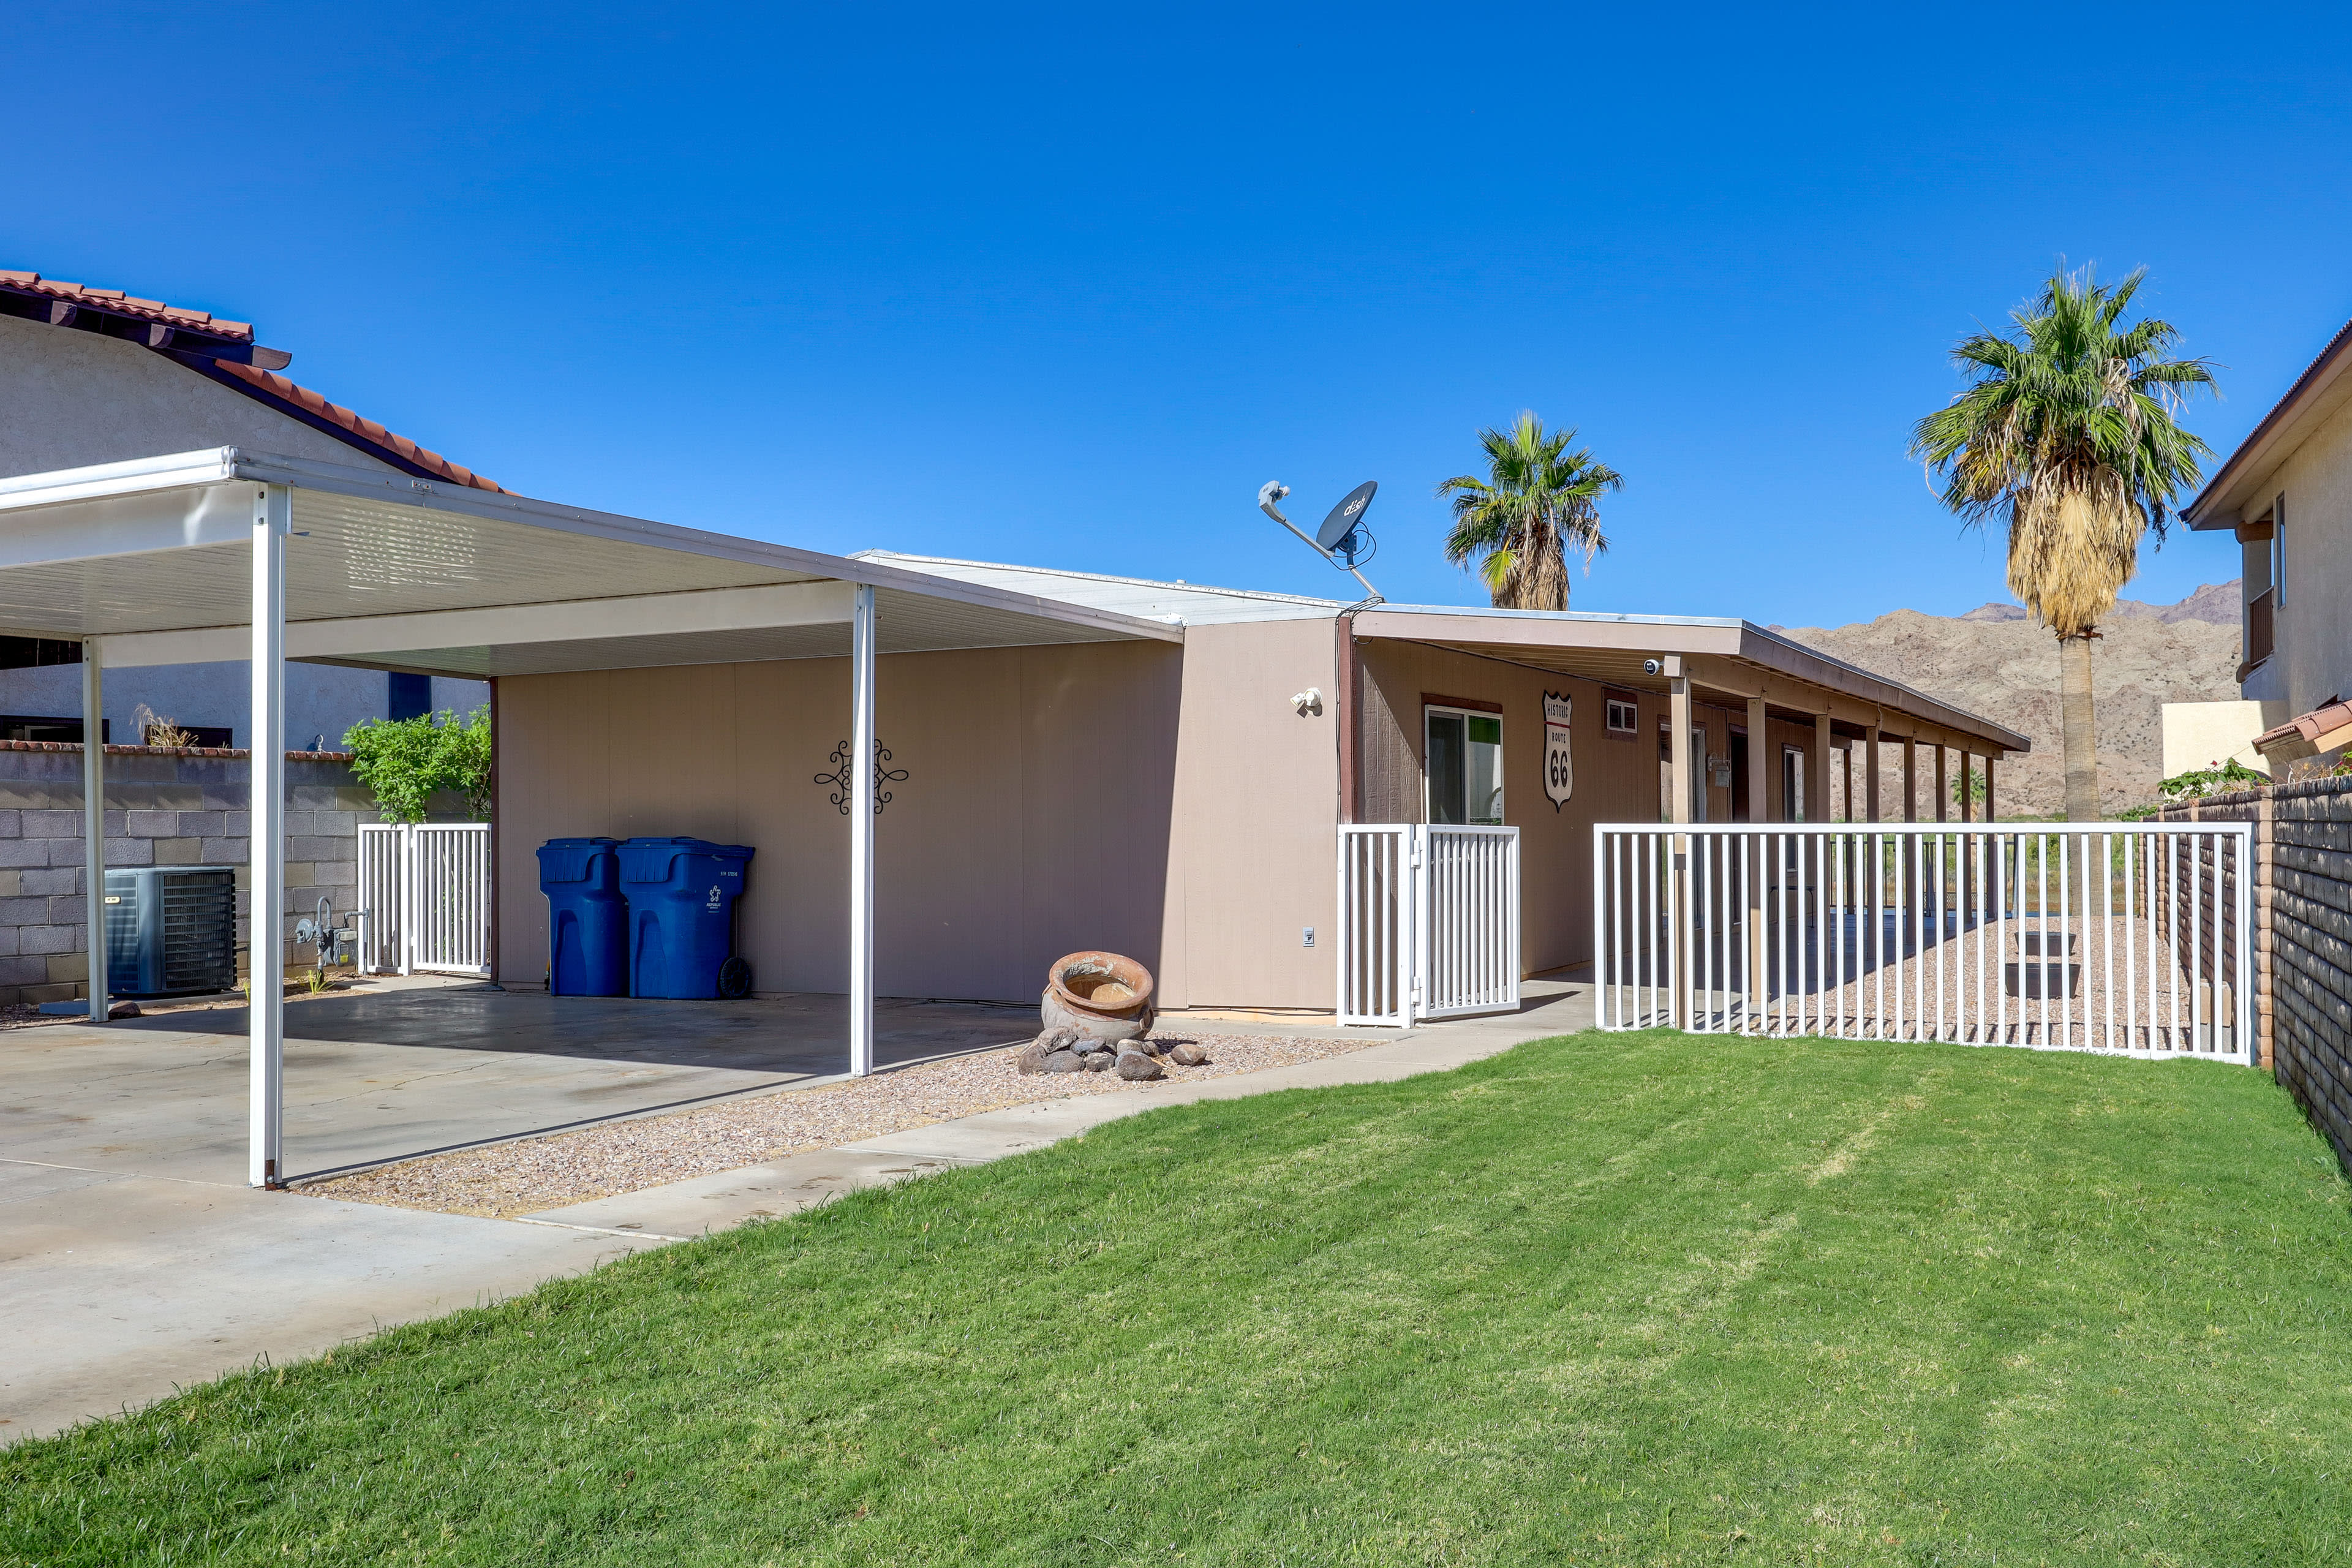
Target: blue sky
(1068, 286)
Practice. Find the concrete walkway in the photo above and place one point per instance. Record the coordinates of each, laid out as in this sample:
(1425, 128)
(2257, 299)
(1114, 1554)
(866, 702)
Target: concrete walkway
(119, 1286)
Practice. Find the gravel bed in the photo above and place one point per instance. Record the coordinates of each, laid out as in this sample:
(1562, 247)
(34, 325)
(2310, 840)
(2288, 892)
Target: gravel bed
(535, 1173)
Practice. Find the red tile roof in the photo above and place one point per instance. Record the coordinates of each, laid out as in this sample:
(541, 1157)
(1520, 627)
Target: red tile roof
(116, 302)
(2324, 720)
(271, 387)
(224, 351)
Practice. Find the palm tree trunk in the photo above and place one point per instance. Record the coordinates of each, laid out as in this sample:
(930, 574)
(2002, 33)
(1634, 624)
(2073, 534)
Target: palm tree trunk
(2078, 717)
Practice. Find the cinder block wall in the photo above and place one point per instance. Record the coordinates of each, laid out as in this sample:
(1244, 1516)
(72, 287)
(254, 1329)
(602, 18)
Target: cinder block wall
(2303, 935)
(164, 806)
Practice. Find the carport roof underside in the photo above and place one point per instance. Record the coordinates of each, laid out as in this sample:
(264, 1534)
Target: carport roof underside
(389, 572)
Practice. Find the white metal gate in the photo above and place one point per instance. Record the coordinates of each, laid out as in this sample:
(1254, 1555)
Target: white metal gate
(424, 898)
(2121, 937)
(1429, 922)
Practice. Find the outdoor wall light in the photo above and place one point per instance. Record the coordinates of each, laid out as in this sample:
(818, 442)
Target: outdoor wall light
(1307, 701)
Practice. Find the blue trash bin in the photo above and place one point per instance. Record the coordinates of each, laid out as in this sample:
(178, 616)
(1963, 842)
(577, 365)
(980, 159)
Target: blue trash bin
(587, 919)
(682, 894)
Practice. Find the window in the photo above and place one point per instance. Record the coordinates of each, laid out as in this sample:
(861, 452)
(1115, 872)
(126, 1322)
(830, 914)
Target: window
(2278, 554)
(1624, 717)
(66, 731)
(2259, 542)
(197, 735)
(1464, 761)
(28, 653)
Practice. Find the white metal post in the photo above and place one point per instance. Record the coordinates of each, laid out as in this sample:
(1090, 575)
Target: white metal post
(265, 969)
(93, 821)
(405, 844)
(861, 834)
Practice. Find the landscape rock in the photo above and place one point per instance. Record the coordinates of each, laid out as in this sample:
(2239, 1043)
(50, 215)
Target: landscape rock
(1031, 1058)
(1063, 1061)
(1189, 1055)
(1136, 1067)
(1101, 1061)
(122, 1010)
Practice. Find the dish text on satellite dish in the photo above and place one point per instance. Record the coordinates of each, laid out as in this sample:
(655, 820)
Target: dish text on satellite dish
(1346, 516)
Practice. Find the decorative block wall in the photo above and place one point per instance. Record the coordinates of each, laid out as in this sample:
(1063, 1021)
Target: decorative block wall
(164, 806)
(2303, 935)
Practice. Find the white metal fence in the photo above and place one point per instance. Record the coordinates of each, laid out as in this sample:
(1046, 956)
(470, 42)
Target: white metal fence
(1429, 922)
(2122, 937)
(424, 898)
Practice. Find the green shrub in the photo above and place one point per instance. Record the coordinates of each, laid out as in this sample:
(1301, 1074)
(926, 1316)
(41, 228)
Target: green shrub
(2222, 778)
(404, 762)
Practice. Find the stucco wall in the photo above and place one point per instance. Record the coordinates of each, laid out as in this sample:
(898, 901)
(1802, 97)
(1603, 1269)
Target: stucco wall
(2314, 658)
(1256, 820)
(69, 399)
(1616, 777)
(1162, 801)
(1032, 822)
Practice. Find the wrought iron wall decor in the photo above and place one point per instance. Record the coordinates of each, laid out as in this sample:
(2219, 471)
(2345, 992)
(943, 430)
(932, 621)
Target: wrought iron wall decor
(840, 777)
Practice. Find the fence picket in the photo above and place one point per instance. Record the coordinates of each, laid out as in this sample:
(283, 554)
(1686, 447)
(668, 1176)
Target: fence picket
(1920, 932)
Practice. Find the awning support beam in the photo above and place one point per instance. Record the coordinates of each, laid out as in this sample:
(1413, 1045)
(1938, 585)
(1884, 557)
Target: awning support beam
(861, 834)
(93, 822)
(265, 986)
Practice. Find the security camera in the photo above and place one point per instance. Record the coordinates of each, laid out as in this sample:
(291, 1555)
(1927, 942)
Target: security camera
(1651, 667)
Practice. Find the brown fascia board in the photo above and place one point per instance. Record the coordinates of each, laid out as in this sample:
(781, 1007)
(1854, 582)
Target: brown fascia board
(2273, 440)
(1695, 637)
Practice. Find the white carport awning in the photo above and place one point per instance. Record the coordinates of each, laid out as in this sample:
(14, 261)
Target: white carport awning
(229, 554)
(154, 557)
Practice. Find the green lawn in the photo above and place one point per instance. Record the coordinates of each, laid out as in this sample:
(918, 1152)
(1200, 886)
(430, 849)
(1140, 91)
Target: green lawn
(1630, 1299)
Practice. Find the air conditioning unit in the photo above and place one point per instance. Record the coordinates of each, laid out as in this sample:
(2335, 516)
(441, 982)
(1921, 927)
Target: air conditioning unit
(170, 931)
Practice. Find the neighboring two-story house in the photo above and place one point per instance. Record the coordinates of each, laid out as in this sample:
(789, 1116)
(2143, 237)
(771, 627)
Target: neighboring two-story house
(94, 376)
(2286, 494)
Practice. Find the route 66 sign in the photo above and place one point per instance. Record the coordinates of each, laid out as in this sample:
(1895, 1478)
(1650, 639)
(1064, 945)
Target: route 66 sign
(1559, 767)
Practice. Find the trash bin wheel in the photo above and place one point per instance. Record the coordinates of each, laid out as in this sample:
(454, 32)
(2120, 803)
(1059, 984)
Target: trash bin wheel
(734, 978)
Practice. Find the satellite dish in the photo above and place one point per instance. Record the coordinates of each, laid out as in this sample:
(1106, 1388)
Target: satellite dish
(1342, 535)
(1343, 539)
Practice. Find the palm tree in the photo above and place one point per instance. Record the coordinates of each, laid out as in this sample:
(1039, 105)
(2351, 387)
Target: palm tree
(2066, 428)
(1534, 506)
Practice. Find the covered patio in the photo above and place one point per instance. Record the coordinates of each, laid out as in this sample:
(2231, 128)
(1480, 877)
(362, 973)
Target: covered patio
(228, 554)
(1798, 714)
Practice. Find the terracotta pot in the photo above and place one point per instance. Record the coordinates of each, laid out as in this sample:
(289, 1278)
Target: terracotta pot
(1100, 994)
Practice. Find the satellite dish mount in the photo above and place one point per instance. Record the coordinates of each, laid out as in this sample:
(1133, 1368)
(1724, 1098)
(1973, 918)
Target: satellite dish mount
(1343, 539)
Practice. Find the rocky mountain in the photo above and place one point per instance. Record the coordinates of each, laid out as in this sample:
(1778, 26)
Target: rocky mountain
(1996, 661)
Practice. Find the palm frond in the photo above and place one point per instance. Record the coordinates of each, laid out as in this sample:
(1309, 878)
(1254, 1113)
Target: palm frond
(2067, 430)
(1538, 505)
